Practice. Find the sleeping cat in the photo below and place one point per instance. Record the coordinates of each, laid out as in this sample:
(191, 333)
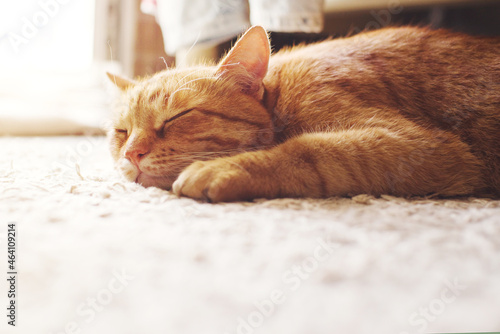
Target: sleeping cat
(402, 111)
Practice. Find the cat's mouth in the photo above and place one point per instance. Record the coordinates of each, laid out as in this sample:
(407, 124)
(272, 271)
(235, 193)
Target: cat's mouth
(134, 173)
(147, 180)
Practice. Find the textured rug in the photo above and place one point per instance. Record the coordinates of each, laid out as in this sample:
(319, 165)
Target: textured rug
(96, 254)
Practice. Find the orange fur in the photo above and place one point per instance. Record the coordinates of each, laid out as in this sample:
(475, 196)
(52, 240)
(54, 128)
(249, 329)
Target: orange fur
(403, 111)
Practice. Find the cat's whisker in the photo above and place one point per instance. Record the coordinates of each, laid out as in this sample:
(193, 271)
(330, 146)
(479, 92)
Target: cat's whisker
(219, 75)
(165, 62)
(194, 80)
(192, 46)
(190, 73)
(195, 156)
(232, 64)
(178, 90)
(240, 167)
(186, 83)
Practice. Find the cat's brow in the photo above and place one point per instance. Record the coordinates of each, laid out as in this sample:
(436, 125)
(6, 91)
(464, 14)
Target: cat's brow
(230, 118)
(190, 81)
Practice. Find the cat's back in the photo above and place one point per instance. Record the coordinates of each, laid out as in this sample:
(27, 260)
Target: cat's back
(393, 43)
(439, 80)
(426, 74)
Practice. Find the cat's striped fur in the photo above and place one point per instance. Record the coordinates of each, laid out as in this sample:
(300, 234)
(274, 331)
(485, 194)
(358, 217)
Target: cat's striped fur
(402, 111)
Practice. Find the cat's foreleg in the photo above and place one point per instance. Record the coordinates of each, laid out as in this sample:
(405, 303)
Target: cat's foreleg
(374, 161)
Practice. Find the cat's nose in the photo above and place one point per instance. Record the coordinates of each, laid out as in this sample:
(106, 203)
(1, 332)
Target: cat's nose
(136, 153)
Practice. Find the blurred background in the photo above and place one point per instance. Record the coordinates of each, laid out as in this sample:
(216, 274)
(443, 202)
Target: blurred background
(54, 53)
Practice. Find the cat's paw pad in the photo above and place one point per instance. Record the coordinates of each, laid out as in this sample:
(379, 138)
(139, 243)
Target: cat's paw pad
(211, 181)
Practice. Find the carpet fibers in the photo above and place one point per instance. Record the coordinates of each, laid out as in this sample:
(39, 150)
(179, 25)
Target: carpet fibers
(96, 254)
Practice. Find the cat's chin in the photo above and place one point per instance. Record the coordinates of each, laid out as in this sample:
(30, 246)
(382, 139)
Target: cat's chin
(162, 182)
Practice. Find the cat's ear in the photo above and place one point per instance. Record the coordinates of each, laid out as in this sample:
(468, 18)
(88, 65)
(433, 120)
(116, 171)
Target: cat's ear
(247, 61)
(120, 82)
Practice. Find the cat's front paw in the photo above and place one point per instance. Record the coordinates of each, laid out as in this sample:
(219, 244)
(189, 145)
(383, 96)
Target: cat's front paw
(219, 180)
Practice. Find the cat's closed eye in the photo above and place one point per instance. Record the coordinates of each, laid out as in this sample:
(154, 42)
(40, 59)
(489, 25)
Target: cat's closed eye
(167, 121)
(122, 132)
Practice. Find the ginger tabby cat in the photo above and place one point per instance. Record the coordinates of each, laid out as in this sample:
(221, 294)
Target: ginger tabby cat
(402, 111)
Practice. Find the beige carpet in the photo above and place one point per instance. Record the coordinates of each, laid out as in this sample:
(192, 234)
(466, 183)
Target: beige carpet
(100, 255)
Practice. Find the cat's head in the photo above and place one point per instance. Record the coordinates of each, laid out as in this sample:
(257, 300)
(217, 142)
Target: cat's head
(178, 116)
